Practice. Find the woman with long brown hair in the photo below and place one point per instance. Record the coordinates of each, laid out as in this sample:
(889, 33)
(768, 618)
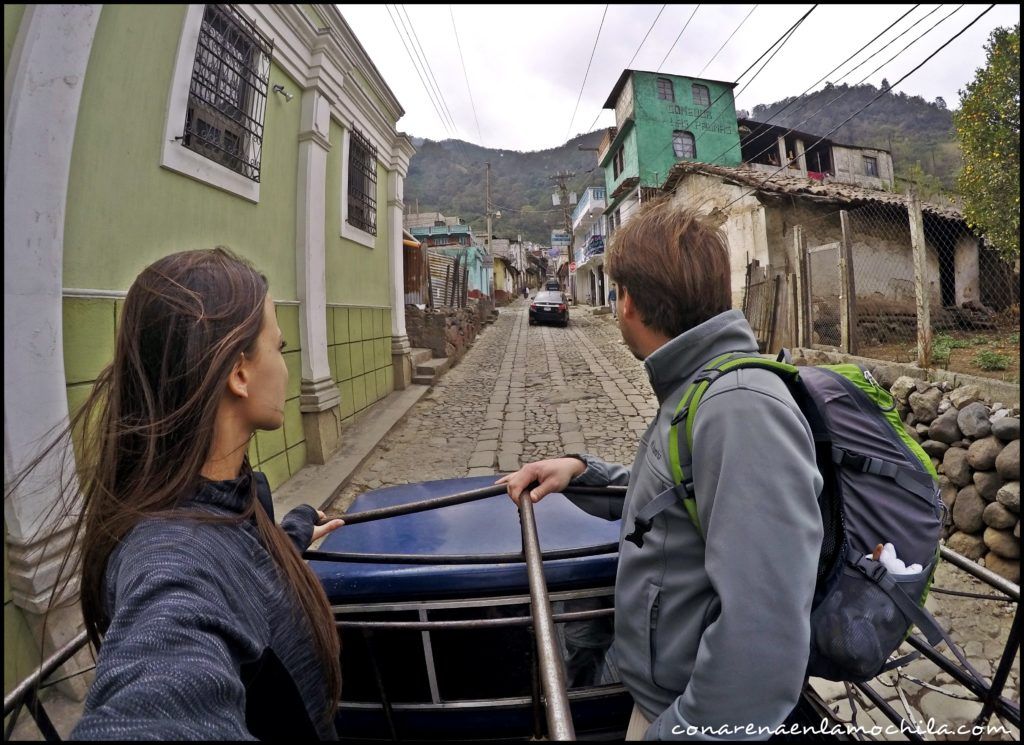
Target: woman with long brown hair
(212, 626)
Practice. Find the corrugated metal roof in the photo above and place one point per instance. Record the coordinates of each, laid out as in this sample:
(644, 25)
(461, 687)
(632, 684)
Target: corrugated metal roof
(799, 186)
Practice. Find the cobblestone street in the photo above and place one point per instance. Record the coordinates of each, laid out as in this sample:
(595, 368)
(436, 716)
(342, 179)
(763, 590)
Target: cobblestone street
(520, 394)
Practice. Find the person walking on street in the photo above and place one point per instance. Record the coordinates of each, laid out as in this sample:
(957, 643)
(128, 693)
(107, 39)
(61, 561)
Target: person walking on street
(612, 297)
(712, 615)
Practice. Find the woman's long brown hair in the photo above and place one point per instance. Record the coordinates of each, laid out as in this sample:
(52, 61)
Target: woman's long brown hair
(147, 427)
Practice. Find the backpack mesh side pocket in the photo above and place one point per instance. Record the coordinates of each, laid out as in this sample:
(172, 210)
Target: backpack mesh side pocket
(857, 626)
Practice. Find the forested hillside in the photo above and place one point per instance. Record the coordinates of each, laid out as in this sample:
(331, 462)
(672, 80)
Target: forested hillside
(449, 176)
(915, 130)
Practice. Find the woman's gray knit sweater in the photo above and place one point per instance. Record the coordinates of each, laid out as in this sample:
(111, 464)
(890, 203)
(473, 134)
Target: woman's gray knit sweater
(205, 639)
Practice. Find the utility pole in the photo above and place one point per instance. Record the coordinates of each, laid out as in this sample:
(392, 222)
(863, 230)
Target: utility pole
(488, 207)
(563, 191)
(487, 243)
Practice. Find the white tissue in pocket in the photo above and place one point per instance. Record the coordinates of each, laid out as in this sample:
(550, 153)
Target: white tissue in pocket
(893, 563)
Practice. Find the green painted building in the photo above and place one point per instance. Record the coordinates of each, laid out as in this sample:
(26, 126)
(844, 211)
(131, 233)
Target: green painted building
(135, 131)
(661, 119)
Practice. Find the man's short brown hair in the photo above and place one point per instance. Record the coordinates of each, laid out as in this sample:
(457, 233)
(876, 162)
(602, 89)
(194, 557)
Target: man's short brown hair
(673, 265)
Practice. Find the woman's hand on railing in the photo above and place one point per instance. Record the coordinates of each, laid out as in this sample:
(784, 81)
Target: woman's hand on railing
(320, 530)
(551, 475)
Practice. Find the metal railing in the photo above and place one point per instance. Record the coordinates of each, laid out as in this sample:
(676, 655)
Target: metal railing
(550, 665)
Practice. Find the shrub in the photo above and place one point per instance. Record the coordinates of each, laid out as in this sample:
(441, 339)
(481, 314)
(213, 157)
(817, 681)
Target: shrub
(988, 360)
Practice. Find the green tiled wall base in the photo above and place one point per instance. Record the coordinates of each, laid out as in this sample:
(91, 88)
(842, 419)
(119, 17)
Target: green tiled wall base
(89, 334)
(359, 352)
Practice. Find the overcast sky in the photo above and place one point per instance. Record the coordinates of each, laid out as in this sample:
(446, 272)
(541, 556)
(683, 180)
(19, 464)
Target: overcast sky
(526, 63)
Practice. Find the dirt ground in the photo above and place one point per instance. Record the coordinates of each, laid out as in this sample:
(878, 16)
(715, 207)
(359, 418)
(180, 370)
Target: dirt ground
(958, 358)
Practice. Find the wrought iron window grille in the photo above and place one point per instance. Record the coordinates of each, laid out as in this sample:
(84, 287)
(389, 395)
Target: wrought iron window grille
(228, 92)
(362, 183)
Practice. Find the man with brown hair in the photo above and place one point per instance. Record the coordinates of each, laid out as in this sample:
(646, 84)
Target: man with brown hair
(712, 621)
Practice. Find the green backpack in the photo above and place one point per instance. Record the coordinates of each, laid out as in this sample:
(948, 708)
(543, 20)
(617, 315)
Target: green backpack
(879, 487)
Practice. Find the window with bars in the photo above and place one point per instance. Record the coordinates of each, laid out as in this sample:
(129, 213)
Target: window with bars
(701, 95)
(684, 145)
(228, 93)
(665, 90)
(362, 183)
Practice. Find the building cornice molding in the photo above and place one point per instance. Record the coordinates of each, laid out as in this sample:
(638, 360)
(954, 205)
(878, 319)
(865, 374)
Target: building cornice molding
(317, 58)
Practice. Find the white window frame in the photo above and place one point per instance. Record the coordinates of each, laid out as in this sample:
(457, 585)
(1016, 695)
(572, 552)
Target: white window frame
(704, 92)
(351, 232)
(681, 135)
(174, 156)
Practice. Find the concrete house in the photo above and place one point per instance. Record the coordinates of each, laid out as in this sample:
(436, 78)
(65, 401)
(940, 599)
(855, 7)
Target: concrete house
(759, 217)
(589, 231)
(451, 236)
(135, 131)
(661, 119)
(764, 147)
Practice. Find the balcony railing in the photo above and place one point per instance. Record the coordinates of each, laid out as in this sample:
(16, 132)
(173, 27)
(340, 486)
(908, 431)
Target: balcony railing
(441, 230)
(593, 200)
(593, 246)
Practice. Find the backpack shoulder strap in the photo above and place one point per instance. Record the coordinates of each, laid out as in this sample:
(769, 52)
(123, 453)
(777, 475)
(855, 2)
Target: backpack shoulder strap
(681, 448)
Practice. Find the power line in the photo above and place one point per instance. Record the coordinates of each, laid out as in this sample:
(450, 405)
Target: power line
(763, 125)
(587, 73)
(878, 51)
(463, 61)
(780, 42)
(891, 41)
(778, 49)
(823, 77)
(630, 63)
(726, 42)
(426, 88)
(599, 111)
(423, 54)
(792, 129)
(865, 106)
(678, 37)
(843, 93)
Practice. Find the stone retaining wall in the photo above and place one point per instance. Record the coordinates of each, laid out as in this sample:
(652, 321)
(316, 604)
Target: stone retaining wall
(975, 446)
(994, 390)
(447, 332)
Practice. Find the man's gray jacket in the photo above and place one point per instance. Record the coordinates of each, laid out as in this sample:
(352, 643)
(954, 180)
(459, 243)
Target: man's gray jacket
(715, 632)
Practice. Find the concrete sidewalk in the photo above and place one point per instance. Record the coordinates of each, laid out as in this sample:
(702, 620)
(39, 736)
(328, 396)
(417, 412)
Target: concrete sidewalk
(318, 485)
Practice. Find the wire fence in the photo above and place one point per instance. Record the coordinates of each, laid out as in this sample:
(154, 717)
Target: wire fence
(911, 284)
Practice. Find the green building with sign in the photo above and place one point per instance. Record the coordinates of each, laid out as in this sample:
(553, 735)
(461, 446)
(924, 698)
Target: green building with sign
(660, 120)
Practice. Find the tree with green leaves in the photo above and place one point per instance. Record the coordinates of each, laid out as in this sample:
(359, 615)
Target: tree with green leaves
(988, 127)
